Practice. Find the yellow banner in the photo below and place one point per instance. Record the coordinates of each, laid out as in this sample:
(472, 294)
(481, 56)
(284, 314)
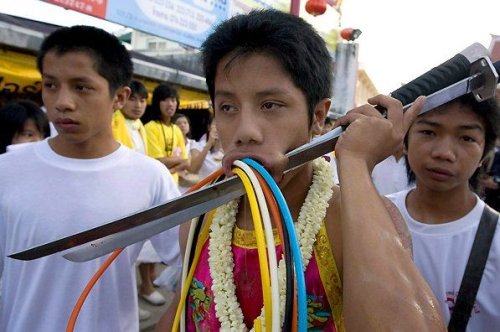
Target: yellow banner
(18, 74)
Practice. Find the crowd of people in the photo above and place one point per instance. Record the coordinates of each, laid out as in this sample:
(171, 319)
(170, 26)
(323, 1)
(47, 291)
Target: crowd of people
(402, 233)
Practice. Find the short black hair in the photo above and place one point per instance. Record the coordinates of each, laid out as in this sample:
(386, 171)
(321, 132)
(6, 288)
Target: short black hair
(13, 116)
(112, 60)
(138, 89)
(162, 92)
(289, 39)
(489, 111)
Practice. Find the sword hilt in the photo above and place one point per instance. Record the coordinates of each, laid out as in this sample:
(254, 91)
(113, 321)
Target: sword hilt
(447, 73)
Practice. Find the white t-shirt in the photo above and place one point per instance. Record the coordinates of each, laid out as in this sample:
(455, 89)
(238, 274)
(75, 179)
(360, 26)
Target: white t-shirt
(44, 197)
(441, 253)
(389, 176)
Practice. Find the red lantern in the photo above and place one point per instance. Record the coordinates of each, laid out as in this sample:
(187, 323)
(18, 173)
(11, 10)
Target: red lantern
(316, 7)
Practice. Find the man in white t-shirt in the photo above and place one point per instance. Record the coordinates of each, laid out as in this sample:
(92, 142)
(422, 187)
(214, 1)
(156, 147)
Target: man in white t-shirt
(80, 179)
(445, 147)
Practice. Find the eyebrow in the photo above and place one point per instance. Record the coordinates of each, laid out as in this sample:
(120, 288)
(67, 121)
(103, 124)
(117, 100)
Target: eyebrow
(263, 93)
(73, 79)
(473, 126)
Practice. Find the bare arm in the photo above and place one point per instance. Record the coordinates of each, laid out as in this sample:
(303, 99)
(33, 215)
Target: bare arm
(383, 290)
(173, 162)
(197, 157)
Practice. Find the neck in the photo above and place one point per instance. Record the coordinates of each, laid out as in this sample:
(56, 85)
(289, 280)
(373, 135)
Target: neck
(83, 150)
(166, 120)
(434, 207)
(398, 155)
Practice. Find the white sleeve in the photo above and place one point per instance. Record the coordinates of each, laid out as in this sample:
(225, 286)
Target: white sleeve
(166, 243)
(198, 145)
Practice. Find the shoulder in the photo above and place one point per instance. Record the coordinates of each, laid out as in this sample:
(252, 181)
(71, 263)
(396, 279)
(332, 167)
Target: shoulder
(398, 222)
(177, 131)
(18, 152)
(149, 169)
(118, 116)
(152, 125)
(198, 145)
(144, 161)
(397, 197)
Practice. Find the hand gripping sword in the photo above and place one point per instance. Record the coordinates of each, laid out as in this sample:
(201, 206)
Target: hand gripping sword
(469, 71)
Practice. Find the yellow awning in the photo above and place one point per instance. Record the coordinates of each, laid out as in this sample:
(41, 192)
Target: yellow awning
(18, 74)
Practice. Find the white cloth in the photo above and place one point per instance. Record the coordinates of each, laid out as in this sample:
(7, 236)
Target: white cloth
(389, 176)
(17, 146)
(148, 253)
(441, 252)
(212, 161)
(44, 197)
(133, 130)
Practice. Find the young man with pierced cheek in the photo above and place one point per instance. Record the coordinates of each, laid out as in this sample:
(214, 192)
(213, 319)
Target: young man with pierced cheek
(268, 77)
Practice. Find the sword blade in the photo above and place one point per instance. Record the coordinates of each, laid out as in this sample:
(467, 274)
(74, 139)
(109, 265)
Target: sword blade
(117, 234)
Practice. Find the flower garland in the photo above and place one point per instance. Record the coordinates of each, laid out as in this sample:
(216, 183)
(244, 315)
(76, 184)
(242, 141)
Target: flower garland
(221, 263)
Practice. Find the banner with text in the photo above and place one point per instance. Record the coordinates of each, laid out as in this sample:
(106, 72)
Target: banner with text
(187, 22)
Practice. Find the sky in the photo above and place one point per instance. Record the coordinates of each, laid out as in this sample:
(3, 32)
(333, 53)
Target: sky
(400, 40)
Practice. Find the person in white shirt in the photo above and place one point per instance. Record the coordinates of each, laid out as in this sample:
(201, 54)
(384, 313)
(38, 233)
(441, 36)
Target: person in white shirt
(129, 131)
(186, 178)
(207, 153)
(445, 147)
(389, 176)
(80, 179)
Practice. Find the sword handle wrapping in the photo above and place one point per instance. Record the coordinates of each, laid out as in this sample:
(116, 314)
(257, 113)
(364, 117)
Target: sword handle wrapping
(447, 73)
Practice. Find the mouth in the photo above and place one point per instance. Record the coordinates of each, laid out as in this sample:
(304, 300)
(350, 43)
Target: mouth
(230, 157)
(274, 163)
(440, 174)
(65, 124)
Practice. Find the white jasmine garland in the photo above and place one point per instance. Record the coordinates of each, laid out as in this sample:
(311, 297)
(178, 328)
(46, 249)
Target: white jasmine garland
(220, 256)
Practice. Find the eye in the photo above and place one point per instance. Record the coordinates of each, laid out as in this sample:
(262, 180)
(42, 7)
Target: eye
(226, 108)
(83, 88)
(49, 85)
(468, 139)
(270, 106)
(426, 132)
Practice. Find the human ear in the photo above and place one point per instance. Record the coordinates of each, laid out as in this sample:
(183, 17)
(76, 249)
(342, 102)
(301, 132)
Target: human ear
(319, 115)
(121, 96)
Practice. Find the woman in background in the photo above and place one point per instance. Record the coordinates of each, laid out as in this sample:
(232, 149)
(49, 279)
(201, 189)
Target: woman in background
(206, 154)
(22, 121)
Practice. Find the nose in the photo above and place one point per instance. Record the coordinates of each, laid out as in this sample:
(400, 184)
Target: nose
(137, 102)
(64, 100)
(248, 129)
(444, 149)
